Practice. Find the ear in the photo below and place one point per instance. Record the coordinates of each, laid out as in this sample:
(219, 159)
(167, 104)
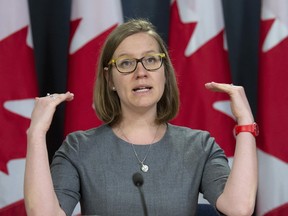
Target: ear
(106, 73)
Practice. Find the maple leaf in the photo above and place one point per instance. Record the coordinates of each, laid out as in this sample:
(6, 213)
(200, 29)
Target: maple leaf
(272, 190)
(196, 63)
(272, 198)
(88, 33)
(273, 97)
(81, 77)
(94, 20)
(18, 82)
(12, 185)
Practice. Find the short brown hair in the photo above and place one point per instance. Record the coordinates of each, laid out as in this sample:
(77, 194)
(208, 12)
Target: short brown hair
(106, 101)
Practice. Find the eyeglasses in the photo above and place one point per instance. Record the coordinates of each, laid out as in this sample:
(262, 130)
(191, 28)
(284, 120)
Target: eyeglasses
(127, 65)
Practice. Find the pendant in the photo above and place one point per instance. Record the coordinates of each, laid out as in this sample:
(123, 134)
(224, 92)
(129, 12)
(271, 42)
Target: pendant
(144, 168)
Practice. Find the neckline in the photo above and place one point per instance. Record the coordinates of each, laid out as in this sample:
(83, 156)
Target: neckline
(143, 145)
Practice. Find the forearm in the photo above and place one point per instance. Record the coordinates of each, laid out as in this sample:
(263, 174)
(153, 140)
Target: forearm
(240, 190)
(238, 197)
(39, 194)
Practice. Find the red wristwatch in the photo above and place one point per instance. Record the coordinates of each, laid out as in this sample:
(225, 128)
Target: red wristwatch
(252, 128)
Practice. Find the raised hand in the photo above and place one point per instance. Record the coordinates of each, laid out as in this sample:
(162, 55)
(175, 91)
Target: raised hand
(239, 104)
(44, 110)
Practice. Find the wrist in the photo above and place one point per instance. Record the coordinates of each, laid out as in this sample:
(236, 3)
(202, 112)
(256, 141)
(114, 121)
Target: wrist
(250, 128)
(35, 133)
(245, 121)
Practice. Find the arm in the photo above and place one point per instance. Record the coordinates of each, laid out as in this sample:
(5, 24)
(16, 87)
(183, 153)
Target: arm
(39, 194)
(238, 197)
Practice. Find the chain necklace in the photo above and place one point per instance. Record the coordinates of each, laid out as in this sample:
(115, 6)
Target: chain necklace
(143, 167)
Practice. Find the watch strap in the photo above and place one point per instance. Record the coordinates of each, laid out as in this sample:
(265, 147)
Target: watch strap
(252, 128)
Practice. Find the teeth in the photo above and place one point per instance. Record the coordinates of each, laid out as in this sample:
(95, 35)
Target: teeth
(142, 89)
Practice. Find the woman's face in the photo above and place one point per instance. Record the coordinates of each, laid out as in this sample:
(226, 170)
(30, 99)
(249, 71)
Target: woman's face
(141, 90)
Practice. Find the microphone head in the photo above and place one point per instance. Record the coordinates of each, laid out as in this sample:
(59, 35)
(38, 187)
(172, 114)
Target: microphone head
(138, 179)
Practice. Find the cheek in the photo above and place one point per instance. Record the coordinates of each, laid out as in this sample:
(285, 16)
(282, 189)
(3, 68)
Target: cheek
(163, 79)
(162, 83)
(115, 79)
(120, 83)
(163, 86)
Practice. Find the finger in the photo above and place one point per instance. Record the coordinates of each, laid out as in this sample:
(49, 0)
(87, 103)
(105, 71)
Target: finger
(68, 96)
(54, 100)
(44, 109)
(220, 87)
(58, 98)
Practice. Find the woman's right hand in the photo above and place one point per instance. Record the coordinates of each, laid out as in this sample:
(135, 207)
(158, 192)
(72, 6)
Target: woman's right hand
(44, 110)
(38, 186)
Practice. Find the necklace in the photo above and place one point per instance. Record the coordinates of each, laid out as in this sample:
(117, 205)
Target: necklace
(143, 167)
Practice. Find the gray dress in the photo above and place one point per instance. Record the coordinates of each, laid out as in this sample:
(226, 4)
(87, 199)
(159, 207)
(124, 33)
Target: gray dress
(96, 167)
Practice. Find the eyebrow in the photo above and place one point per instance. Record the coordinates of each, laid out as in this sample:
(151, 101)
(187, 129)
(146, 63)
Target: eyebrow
(143, 54)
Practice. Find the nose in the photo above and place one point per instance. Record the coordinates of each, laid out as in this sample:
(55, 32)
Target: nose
(140, 70)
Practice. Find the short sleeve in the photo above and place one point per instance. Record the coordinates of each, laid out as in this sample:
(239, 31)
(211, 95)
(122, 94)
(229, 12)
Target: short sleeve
(216, 171)
(65, 176)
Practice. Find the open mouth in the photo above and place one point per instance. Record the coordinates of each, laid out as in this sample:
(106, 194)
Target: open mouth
(142, 89)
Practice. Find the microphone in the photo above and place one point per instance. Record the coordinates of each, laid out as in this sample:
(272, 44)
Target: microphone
(138, 182)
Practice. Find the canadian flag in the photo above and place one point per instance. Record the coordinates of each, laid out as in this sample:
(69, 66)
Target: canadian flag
(198, 51)
(272, 199)
(91, 22)
(17, 92)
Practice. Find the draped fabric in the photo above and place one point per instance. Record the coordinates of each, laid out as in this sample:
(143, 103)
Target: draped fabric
(273, 103)
(18, 89)
(199, 55)
(90, 26)
(67, 35)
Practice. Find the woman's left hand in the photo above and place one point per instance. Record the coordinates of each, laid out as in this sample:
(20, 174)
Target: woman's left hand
(239, 103)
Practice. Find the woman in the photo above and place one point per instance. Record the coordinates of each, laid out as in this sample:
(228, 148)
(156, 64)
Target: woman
(136, 95)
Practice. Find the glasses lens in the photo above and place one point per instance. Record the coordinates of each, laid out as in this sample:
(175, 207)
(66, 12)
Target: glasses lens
(125, 65)
(128, 65)
(152, 62)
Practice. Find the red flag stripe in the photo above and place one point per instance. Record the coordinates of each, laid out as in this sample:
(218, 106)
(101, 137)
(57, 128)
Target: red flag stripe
(208, 63)
(272, 199)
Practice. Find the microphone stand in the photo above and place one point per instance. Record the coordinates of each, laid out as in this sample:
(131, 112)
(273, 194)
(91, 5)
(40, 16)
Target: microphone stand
(138, 182)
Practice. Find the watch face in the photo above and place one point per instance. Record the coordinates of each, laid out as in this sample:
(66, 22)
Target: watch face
(256, 129)
(252, 128)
